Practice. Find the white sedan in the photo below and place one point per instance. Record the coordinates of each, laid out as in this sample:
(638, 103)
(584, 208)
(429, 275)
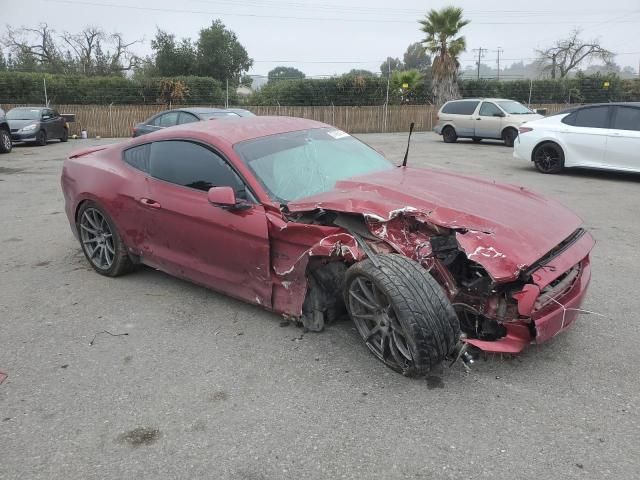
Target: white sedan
(605, 136)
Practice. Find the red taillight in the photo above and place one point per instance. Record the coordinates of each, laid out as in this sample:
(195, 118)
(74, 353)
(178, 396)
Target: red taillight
(133, 132)
(525, 129)
(437, 117)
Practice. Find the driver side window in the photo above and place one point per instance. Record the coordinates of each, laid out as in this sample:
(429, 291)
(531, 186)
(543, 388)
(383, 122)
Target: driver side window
(488, 109)
(192, 165)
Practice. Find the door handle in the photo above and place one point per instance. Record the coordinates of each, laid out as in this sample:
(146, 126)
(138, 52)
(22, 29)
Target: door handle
(147, 202)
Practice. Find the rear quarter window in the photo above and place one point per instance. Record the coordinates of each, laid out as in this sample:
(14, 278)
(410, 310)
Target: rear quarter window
(138, 157)
(461, 107)
(627, 118)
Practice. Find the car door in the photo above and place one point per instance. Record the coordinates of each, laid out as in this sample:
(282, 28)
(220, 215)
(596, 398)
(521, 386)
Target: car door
(164, 120)
(623, 139)
(227, 250)
(585, 136)
(488, 121)
(61, 122)
(48, 123)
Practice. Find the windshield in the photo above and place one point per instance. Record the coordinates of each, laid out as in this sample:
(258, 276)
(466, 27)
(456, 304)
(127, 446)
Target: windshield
(299, 164)
(514, 108)
(24, 114)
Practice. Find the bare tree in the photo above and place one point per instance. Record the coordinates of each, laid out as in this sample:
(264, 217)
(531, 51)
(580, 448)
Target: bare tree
(569, 53)
(90, 52)
(37, 43)
(83, 45)
(122, 59)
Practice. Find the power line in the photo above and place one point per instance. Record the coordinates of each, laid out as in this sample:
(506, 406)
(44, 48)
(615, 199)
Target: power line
(290, 17)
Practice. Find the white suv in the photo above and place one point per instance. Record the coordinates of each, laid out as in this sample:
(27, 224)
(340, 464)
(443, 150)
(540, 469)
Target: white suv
(478, 118)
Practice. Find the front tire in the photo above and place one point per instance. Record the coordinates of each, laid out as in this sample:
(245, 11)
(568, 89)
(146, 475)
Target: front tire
(101, 242)
(548, 158)
(449, 135)
(402, 313)
(5, 141)
(509, 136)
(41, 138)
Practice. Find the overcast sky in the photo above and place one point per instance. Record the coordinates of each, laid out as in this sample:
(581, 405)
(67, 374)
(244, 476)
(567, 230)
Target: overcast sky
(325, 38)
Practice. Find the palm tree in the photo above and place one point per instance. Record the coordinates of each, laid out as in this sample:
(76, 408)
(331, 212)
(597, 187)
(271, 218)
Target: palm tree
(441, 27)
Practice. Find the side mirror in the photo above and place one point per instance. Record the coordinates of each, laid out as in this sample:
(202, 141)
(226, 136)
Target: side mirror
(225, 197)
(498, 114)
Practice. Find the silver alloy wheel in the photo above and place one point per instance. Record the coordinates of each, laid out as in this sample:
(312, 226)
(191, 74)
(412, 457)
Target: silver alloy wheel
(377, 323)
(97, 239)
(6, 141)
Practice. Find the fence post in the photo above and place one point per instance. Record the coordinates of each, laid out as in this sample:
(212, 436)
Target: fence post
(530, 88)
(333, 114)
(278, 108)
(111, 119)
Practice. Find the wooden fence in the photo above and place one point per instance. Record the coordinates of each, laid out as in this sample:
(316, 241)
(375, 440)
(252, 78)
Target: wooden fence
(118, 120)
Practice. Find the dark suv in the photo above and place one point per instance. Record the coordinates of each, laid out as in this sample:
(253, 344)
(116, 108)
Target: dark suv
(5, 134)
(37, 124)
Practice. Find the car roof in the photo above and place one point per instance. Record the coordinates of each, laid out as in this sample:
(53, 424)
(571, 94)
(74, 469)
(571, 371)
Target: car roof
(573, 108)
(198, 110)
(29, 108)
(236, 130)
(479, 99)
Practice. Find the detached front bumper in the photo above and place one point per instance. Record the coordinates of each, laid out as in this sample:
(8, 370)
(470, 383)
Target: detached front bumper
(551, 303)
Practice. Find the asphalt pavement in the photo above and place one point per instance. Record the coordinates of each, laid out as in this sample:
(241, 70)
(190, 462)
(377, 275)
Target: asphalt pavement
(190, 384)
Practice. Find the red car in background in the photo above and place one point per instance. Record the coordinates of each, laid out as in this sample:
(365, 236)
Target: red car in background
(309, 222)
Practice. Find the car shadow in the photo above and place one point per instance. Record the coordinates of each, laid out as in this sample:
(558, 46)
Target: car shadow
(602, 174)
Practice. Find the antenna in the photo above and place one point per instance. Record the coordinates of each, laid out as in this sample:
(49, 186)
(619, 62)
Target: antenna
(406, 154)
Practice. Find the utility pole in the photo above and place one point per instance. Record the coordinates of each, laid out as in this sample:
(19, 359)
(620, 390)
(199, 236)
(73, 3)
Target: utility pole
(480, 55)
(226, 100)
(46, 99)
(499, 51)
(553, 66)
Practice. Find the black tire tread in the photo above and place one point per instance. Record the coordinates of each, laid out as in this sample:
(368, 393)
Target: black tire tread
(421, 305)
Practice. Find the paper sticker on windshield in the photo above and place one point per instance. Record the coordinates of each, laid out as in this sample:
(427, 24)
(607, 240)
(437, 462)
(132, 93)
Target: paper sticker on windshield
(337, 134)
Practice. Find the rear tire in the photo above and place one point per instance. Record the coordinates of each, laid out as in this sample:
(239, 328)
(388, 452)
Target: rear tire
(5, 141)
(449, 135)
(548, 158)
(476, 140)
(509, 136)
(65, 135)
(41, 138)
(402, 313)
(100, 241)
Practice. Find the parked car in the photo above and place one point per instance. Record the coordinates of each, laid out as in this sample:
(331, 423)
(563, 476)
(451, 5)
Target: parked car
(605, 136)
(170, 118)
(37, 124)
(309, 222)
(480, 118)
(5, 134)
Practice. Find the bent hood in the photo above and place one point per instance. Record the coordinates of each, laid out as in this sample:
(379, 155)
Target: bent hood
(502, 227)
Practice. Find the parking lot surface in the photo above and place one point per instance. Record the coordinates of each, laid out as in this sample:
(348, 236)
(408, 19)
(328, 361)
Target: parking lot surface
(204, 386)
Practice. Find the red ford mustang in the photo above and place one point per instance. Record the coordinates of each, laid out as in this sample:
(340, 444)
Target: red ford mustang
(310, 223)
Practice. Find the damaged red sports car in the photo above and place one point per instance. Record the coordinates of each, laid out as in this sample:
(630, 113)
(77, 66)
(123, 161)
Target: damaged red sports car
(309, 222)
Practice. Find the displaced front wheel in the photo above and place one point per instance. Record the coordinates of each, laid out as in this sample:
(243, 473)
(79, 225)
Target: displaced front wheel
(402, 313)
